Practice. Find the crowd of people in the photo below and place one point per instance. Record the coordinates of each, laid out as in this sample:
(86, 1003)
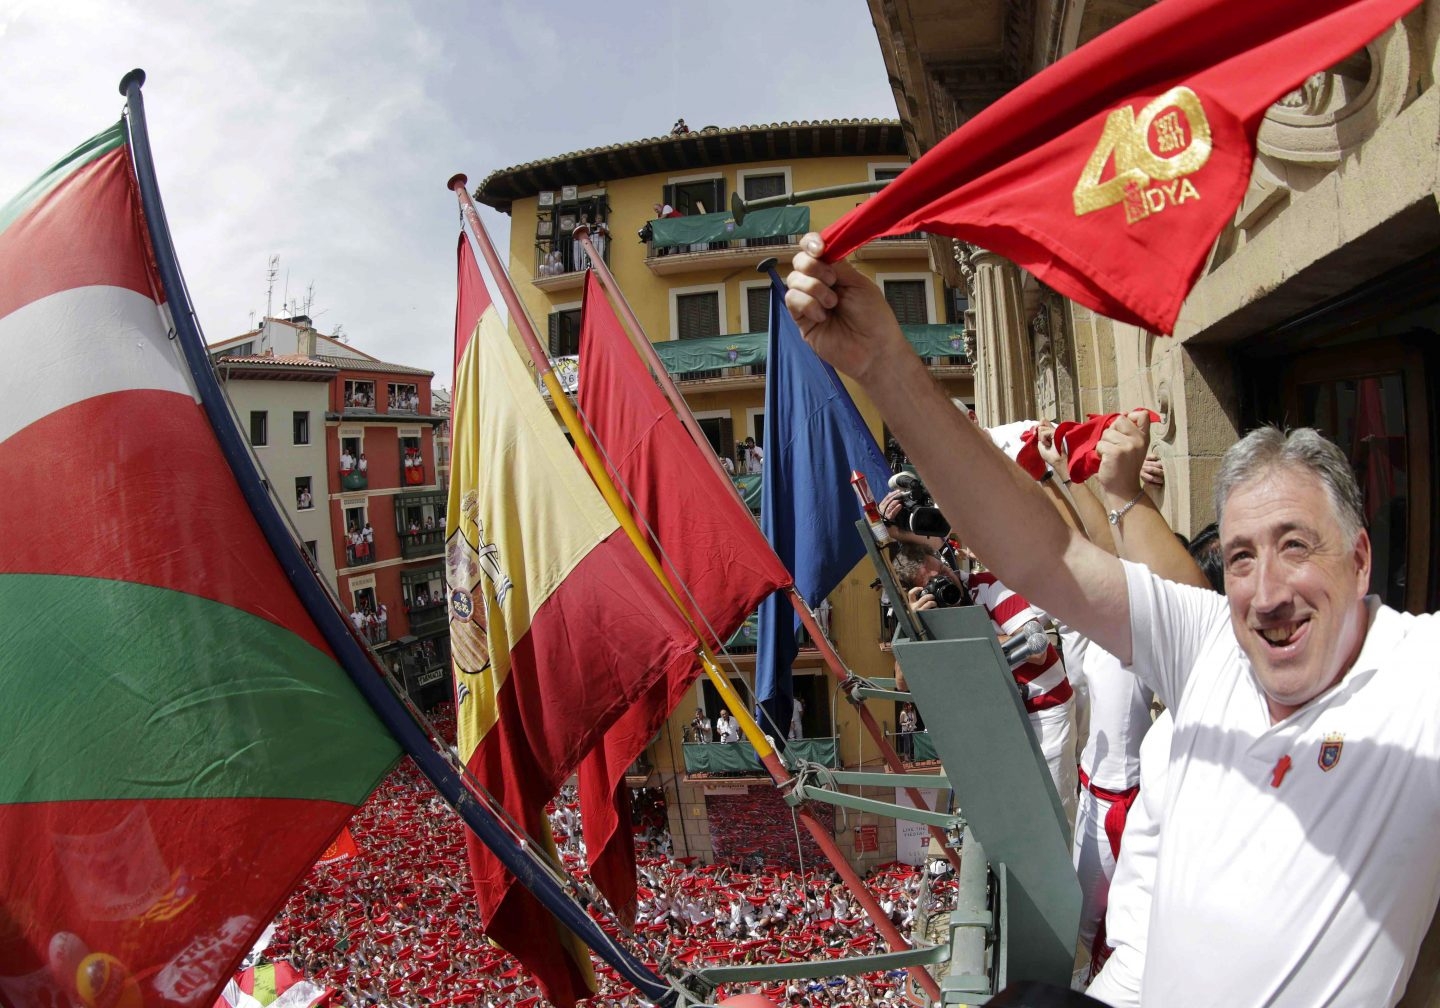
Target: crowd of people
(396, 924)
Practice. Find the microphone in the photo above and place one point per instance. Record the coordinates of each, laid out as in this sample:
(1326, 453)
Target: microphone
(1030, 640)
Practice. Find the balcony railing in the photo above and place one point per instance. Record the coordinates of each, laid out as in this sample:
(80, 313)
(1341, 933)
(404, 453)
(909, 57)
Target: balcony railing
(376, 633)
(426, 617)
(357, 554)
(914, 747)
(421, 543)
(738, 759)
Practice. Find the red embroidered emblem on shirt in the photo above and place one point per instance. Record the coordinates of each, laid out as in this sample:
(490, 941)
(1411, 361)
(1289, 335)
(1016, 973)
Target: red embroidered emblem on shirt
(1330, 752)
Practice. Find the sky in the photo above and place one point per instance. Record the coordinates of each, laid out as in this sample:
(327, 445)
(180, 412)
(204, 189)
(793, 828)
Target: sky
(324, 132)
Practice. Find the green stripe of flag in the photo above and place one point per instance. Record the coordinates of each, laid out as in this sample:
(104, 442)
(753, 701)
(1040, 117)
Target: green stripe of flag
(123, 690)
(96, 146)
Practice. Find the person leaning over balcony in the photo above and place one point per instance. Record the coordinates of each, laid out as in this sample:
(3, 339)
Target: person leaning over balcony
(1297, 863)
(1044, 686)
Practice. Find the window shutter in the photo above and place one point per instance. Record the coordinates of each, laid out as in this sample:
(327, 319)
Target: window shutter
(727, 437)
(907, 300)
(668, 194)
(698, 315)
(757, 302)
(764, 186)
(554, 334)
(717, 196)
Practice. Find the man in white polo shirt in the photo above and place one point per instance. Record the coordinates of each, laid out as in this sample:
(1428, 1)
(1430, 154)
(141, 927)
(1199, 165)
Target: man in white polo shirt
(1297, 861)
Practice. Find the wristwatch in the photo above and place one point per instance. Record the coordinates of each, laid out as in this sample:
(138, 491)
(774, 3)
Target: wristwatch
(1119, 513)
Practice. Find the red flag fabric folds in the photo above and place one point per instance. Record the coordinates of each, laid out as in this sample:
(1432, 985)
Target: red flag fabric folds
(1079, 440)
(705, 538)
(558, 627)
(1109, 174)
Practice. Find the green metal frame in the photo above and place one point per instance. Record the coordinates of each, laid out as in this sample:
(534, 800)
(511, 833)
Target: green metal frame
(960, 679)
(925, 955)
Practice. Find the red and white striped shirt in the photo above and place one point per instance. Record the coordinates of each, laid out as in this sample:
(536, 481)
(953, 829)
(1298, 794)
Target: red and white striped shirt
(1042, 684)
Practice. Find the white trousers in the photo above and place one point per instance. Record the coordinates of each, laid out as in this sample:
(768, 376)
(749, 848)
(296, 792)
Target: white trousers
(1055, 729)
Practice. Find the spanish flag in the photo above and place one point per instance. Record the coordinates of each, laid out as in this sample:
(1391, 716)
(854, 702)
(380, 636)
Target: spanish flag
(556, 623)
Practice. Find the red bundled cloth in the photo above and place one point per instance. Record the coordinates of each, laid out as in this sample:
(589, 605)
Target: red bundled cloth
(1079, 440)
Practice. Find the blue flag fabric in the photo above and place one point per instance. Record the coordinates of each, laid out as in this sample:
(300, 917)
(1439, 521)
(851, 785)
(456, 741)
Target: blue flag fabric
(814, 438)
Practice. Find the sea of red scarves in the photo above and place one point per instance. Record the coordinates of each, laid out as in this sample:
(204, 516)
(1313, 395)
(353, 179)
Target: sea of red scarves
(396, 924)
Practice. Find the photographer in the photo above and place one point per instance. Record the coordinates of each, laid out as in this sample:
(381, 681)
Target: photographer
(1044, 687)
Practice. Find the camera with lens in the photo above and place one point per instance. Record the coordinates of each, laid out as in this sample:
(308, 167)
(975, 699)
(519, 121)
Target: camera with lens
(918, 513)
(646, 233)
(944, 591)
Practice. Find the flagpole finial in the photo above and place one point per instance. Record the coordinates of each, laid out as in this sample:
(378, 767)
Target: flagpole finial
(137, 75)
(766, 265)
(457, 180)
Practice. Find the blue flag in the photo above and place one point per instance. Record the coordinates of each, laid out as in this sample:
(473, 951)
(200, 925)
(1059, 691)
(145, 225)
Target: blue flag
(814, 438)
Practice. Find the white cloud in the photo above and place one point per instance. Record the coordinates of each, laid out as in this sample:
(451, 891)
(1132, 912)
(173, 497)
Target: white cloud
(324, 131)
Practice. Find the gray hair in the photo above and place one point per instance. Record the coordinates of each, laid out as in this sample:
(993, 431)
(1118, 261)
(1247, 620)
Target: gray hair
(909, 564)
(1305, 449)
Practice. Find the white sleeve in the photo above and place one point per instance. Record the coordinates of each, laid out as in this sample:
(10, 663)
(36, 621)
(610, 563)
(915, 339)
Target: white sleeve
(1170, 624)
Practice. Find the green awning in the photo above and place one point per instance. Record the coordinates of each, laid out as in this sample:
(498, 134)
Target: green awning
(712, 353)
(749, 487)
(702, 229)
(747, 635)
(936, 340)
(740, 758)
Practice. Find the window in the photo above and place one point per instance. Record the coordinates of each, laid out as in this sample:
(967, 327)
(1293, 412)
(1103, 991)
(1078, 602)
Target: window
(759, 187)
(359, 395)
(403, 398)
(697, 315)
(700, 196)
(957, 303)
(358, 535)
(757, 308)
(412, 464)
(719, 432)
(304, 501)
(907, 300)
(312, 546)
(300, 422)
(565, 332)
(259, 428)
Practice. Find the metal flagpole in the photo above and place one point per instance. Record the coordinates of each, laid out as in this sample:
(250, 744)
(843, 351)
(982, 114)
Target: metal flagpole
(353, 656)
(753, 734)
(833, 662)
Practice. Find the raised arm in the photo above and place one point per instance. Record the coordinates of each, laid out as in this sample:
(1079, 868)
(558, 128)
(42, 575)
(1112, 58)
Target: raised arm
(997, 509)
(1140, 530)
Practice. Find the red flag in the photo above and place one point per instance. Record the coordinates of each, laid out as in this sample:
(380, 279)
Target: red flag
(1109, 174)
(342, 847)
(707, 541)
(557, 625)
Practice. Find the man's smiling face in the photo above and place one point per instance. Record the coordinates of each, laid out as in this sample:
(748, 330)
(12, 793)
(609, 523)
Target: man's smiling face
(1296, 584)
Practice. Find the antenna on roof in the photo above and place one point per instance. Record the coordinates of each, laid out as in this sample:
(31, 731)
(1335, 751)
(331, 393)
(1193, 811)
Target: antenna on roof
(271, 272)
(309, 299)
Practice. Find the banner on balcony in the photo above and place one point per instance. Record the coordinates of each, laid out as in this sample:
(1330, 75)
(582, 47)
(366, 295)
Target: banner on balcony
(702, 229)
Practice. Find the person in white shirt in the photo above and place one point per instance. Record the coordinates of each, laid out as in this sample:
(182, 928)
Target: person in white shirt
(1297, 862)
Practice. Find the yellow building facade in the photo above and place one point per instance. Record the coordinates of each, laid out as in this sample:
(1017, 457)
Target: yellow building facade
(710, 292)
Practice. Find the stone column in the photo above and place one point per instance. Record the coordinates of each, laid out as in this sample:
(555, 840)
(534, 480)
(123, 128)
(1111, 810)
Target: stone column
(1005, 378)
